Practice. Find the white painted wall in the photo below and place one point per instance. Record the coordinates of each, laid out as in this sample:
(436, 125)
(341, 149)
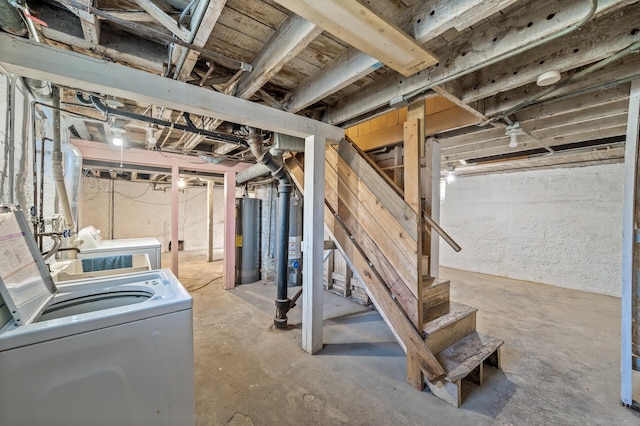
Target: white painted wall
(561, 227)
(139, 211)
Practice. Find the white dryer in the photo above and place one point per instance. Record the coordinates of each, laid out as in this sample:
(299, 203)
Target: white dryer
(94, 246)
(115, 351)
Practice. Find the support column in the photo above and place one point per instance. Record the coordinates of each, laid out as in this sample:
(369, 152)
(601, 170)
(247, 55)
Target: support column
(433, 147)
(210, 186)
(175, 176)
(630, 252)
(313, 243)
(413, 197)
(228, 274)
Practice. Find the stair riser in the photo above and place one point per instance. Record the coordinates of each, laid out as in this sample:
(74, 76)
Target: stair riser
(436, 311)
(435, 295)
(446, 336)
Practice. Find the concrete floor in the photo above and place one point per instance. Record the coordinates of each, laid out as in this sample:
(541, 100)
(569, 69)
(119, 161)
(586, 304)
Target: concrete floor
(560, 359)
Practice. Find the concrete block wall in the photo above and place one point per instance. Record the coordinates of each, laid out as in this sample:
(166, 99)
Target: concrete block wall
(139, 211)
(561, 227)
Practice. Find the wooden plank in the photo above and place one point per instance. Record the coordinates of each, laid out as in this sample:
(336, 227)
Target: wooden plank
(510, 32)
(464, 356)
(378, 185)
(408, 337)
(383, 235)
(388, 273)
(630, 252)
(313, 243)
(200, 35)
(413, 137)
(229, 237)
(367, 31)
(291, 38)
(165, 20)
(446, 330)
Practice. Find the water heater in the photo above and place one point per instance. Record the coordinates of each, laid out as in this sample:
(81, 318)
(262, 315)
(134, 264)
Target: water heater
(247, 240)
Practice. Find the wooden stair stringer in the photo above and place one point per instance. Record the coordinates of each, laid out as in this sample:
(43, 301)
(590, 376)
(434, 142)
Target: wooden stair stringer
(409, 338)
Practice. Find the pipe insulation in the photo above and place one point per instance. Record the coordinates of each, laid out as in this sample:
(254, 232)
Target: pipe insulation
(189, 127)
(283, 303)
(58, 174)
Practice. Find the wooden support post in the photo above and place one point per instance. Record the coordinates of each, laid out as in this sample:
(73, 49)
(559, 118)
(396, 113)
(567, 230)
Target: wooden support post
(175, 177)
(412, 196)
(348, 274)
(313, 244)
(397, 163)
(630, 252)
(210, 186)
(329, 281)
(229, 230)
(432, 201)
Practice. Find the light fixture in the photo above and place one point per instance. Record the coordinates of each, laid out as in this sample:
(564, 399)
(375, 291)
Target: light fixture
(117, 132)
(151, 139)
(181, 183)
(548, 78)
(513, 130)
(451, 173)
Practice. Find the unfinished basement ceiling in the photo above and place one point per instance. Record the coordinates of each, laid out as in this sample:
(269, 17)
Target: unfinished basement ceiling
(489, 55)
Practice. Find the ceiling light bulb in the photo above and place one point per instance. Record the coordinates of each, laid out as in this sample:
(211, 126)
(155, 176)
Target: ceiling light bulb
(181, 183)
(450, 178)
(117, 141)
(513, 143)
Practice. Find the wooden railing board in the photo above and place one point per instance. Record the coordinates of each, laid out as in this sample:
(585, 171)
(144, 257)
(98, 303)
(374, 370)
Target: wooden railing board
(379, 187)
(380, 227)
(394, 282)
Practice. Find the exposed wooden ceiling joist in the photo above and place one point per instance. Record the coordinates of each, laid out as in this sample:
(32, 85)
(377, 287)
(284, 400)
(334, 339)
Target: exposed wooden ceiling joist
(367, 31)
(506, 35)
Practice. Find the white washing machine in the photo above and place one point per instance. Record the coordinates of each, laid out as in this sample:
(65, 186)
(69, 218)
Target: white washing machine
(115, 351)
(94, 246)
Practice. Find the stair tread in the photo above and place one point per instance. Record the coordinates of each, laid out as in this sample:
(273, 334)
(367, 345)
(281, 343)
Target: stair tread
(428, 281)
(461, 358)
(456, 312)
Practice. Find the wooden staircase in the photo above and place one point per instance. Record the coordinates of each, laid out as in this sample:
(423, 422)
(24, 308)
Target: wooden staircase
(379, 234)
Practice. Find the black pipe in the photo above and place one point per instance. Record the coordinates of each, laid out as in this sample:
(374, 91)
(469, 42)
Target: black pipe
(105, 109)
(283, 303)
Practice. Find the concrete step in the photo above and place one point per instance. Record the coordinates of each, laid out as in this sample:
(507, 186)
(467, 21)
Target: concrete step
(458, 322)
(465, 359)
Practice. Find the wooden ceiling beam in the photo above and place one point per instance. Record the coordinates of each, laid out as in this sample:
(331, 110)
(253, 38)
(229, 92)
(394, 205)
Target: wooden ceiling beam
(353, 64)
(163, 19)
(475, 50)
(615, 32)
(150, 63)
(199, 37)
(595, 129)
(551, 123)
(359, 26)
(293, 36)
(34, 60)
(627, 69)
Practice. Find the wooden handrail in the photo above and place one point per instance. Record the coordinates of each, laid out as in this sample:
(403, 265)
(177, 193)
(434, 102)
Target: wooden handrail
(429, 222)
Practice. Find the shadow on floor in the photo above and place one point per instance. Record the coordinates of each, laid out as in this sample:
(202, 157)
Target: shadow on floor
(386, 349)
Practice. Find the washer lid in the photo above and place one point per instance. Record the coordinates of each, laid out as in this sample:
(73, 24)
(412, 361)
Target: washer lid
(26, 286)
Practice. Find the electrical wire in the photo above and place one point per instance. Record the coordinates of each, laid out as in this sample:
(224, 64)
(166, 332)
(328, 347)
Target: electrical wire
(191, 290)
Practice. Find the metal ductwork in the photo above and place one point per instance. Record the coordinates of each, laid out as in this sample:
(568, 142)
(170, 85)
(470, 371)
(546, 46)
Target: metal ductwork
(11, 20)
(283, 303)
(281, 143)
